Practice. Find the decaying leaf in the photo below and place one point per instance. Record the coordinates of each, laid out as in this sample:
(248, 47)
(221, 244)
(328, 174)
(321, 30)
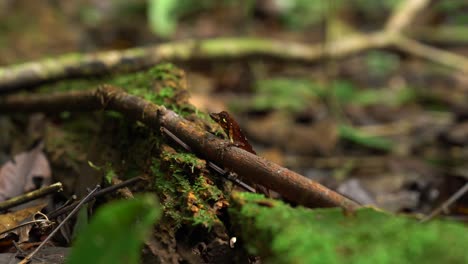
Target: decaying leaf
(11, 220)
(27, 171)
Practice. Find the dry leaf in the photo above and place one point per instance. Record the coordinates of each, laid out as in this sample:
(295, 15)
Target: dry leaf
(26, 172)
(10, 220)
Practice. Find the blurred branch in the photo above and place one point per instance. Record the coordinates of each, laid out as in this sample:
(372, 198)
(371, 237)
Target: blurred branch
(56, 187)
(415, 48)
(462, 191)
(31, 74)
(75, 65)
(445, 35)
(289, 184)
(405, 14)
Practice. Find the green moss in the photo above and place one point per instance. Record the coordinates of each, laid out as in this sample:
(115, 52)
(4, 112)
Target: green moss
(186, 159)
(187, 197)
(186, 193)
(163, 84)
(281, 234)
(71, 85)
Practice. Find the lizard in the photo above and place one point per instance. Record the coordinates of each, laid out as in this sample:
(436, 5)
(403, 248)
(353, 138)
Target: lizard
(237, 138)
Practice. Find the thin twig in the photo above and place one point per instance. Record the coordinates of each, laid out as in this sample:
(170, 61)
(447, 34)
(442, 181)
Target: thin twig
(25, 224)
(100, 193)
(124, 192)
(447, 203)
(56, 187)
(72, 213)
(231, 176)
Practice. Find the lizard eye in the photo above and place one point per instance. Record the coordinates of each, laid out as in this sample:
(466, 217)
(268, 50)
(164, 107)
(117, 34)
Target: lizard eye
(224, 120)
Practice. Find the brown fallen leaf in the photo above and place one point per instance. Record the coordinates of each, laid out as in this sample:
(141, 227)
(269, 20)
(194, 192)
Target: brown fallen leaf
(11, 220)
(26, 172)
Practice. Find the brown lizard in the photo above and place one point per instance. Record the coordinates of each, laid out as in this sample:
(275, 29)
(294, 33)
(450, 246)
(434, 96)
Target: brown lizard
(237, 138)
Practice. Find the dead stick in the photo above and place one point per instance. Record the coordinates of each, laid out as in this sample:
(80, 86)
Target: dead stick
(33, 73)
(73, 212)
(228, 175)
(447, 203)
(289, 184)
(56, 187)
(102, 192)
(430, 53)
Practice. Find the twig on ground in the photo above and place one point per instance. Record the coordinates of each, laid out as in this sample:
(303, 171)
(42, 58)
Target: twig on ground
(44, 221)
(73, 212)
(289, 184)
(125, 191)
(56, 187)
(100, 193)
(231, 176)
(445, 35)
(31, 74)
(447, 203)
(418, 49)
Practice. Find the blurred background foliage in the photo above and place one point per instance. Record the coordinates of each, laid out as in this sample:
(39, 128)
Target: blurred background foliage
(163, 15)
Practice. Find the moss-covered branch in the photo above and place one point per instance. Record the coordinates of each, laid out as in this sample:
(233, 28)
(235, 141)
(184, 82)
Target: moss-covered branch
(257, 169)
(76, 65)
(30, 196)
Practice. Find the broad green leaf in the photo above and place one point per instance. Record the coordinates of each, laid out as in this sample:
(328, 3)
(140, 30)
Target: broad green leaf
(117, 232)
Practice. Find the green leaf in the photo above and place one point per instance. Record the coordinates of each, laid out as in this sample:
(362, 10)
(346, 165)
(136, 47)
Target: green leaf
(117, 231)
(161, 16)
(110, 174)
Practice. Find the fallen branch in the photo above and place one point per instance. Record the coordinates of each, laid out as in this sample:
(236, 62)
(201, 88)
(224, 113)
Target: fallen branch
(75, 65)
(443, 35)
(289, 184)
(80, 65)
(404, 15)
(429, 53)
(56, 187)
